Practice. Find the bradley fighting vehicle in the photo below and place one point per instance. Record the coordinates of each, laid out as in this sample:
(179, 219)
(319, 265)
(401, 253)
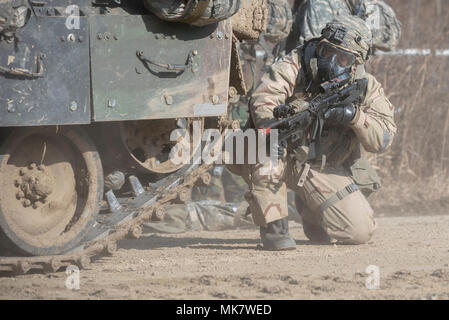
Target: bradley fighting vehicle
(89, 89)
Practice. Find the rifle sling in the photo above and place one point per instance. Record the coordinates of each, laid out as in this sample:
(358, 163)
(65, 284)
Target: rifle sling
(315, 152)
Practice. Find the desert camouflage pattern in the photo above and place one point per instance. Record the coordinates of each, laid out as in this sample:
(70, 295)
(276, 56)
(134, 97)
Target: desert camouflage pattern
(374, 119)
(348, 220)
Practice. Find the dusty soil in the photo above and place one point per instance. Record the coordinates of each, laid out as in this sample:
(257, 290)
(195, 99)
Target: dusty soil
(412, 254)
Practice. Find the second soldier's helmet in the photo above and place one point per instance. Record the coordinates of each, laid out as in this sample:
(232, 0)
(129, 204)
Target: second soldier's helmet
(350, 33)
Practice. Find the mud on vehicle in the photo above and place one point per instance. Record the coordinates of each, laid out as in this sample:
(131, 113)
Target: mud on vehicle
(92, 88)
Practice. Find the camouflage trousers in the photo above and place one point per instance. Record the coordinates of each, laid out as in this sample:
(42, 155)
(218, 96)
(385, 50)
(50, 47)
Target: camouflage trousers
(331, 198)
(210, 215)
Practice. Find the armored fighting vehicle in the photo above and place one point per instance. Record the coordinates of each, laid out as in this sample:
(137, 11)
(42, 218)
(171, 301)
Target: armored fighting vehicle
(92, 88)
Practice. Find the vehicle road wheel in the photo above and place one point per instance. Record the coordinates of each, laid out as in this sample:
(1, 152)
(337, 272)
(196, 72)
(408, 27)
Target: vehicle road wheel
(148, 143)
(51, 185)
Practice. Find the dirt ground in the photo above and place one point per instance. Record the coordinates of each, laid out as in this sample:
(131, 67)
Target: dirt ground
(412, 254)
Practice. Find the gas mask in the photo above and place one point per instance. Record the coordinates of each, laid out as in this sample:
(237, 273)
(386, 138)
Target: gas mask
(332, 61)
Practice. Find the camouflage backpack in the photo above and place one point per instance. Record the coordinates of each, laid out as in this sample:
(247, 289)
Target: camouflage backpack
(279, 20)
(385, 27)
(313, 15)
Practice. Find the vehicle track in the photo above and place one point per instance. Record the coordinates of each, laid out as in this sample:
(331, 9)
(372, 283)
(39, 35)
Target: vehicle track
(110, 228)
(124, 222)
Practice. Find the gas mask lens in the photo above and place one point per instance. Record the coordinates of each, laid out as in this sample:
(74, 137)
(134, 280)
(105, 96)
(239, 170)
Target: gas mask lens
(344, 58)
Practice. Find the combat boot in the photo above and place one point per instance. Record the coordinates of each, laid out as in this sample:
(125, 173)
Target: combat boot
(313, 232)
(275, 236)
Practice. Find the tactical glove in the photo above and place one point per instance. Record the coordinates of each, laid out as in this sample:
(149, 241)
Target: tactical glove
(282, 111)
(340, 114)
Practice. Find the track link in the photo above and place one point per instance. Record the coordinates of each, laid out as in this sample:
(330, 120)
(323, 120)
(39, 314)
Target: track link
(126, 223)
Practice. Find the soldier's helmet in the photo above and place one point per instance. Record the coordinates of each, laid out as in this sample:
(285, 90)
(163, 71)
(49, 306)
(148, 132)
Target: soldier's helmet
(350, 33)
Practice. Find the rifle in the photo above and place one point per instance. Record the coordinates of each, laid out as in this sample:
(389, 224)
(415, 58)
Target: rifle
(293, 125)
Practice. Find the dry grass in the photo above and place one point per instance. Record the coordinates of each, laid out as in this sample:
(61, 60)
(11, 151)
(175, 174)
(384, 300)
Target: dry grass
(416, 167)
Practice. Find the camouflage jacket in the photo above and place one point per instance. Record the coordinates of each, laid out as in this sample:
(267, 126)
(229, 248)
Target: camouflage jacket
(373, 125)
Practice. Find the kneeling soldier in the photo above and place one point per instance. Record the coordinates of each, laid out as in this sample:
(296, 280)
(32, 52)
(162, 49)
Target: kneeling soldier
(333, 186)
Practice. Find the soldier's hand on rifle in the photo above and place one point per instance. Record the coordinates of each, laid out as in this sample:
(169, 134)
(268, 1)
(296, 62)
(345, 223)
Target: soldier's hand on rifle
(282, 111)
(340, 114)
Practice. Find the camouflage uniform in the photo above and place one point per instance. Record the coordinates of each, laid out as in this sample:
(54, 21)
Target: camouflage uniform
(209, 215)
(279, 24)
(221, 204)
(218, 206)
(313, 15)
(332, 196)
(224, 186)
